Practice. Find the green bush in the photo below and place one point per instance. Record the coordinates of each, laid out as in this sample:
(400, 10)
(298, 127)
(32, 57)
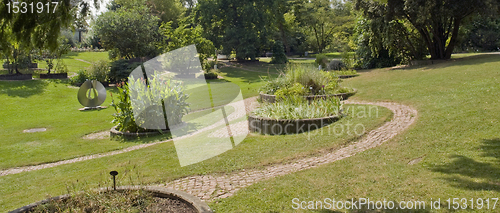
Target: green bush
(80, 78)
(120, 70)
(295, 107)
(169, 93)
(296, 90)
(211, 74)
(98, 71)
(279, 56)
(322, 60)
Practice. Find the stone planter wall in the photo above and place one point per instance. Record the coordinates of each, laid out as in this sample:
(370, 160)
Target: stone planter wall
(160, 192)
(54, 76)
(268, 126)
(128, 135)
(16, 77)
(344, 96)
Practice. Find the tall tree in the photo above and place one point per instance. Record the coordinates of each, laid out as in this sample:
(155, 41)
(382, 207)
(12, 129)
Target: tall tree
(437, 21)
(322, 19)
(241, 26)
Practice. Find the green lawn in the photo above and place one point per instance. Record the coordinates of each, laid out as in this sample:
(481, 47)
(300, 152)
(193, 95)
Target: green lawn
(456, 136)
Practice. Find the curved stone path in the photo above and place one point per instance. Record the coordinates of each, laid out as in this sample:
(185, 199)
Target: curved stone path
(211, 187)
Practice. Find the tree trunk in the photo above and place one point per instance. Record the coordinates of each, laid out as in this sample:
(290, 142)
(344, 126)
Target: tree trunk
(454, 38)
(283, 38)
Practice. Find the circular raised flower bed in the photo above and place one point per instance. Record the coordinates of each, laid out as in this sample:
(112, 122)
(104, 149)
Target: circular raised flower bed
(344, 96)
(190, 202)
(269, 126)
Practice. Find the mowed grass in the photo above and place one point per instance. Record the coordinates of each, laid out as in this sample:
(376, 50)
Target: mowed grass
(159, 164)
(454, 145)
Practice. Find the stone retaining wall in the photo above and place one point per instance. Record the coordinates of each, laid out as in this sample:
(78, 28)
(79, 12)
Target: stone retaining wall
(268, 126)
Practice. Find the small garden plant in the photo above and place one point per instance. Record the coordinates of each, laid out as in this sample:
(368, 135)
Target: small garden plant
(295, 107)
(168, 98)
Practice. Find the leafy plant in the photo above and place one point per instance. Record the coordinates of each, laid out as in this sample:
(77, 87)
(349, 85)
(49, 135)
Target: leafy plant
(211, 74)
(80, 78)
(98, 71)
(279, 56)
(295, 107)
(296, 90)
(120, 70)
(168, 94)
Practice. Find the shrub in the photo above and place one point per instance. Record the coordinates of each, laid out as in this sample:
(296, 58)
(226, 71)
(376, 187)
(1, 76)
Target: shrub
(322, 60)
(120, 70)
(296, 90)
(98, 71)
(60, 67)
(80, 78)
(295, 107)
(211, 74)
(169, 93)
(279, 56)
(335, 65)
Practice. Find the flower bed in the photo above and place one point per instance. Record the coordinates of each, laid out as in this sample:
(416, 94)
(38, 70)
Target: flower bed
(344, 96)
(306, 81)
(294, 115)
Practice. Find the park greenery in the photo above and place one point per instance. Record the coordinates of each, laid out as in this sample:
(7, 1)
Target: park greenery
(296, 107)
(450, 151)
(302, 80)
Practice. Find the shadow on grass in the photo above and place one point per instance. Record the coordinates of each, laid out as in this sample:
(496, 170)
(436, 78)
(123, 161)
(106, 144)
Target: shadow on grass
(23, 89)
(464, 166)
(465, 61)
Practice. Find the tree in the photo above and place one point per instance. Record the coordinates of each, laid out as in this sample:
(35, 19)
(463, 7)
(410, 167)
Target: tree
(130, 33)
(241, 26)
(437, 21)
(481, 34)
(323, 19)
(184, 35)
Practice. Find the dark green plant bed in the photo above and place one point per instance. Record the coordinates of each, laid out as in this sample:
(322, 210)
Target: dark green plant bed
(344, 96)
(123, 199)
(54, 76)
(17, 77)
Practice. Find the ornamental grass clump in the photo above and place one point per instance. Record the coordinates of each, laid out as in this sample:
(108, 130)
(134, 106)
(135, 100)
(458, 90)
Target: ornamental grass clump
(294, 107)
(302, 80)
(163, 99)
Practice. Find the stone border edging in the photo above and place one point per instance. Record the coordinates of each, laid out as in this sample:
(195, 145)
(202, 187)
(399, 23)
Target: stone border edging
(54, 76)
(269, 126)
(161, 192)
(272, 98)
(129, 135)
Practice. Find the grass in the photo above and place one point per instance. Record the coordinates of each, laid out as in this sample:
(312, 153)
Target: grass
(156, 164)
(455, 136)
(159, 163)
